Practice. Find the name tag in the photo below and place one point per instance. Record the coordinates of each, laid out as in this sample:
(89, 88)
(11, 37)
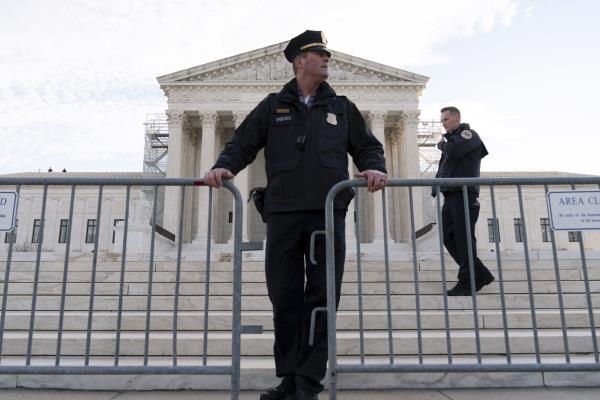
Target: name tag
(282, 119)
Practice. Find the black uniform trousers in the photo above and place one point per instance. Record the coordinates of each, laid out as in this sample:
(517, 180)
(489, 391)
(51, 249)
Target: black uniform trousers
(455, 234)
(293, 298)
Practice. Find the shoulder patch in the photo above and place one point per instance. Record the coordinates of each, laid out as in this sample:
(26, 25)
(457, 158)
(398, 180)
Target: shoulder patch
(467, 134)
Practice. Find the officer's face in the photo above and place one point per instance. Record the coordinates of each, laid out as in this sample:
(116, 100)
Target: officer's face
(450, 121)
(316, 64)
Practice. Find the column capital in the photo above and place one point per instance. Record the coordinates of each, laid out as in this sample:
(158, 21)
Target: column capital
(179, 123)
(175, 117)
(377, 117)
(411, 117)
(209, 117)
(238, 117)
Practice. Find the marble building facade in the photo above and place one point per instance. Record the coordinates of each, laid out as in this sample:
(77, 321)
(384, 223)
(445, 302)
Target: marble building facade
(206, 103)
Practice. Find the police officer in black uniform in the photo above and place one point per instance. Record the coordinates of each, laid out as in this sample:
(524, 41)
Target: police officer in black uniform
(462, 151)
(307, 132)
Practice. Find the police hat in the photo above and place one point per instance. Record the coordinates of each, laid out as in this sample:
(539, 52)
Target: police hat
(306, 41)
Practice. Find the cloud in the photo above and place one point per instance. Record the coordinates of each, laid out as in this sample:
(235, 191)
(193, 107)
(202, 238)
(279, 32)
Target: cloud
(77, 78)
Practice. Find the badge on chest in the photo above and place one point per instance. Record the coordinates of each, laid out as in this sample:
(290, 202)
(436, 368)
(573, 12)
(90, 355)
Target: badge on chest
(331, 118)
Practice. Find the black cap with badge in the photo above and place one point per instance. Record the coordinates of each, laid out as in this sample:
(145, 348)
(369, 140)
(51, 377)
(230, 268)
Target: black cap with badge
(306, 41)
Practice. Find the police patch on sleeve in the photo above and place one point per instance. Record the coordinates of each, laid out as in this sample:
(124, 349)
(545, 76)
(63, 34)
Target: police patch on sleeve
(467, 134)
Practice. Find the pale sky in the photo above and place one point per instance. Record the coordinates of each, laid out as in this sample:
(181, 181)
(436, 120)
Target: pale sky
(77, 78)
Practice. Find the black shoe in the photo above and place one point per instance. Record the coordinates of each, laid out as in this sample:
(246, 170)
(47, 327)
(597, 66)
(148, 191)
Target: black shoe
(461, 289)
(485, 281)
(304, 395)
(276, 394)
(284, 391)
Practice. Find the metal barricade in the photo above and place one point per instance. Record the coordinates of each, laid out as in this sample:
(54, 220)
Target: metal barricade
(113, 348)
(548, 337)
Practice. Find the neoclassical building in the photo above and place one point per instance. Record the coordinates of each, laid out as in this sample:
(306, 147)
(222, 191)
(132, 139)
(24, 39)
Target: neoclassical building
(205, 105)
(207, 102)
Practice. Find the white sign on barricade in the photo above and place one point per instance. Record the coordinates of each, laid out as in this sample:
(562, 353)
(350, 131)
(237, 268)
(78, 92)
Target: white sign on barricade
(8, 208)
(574, 210)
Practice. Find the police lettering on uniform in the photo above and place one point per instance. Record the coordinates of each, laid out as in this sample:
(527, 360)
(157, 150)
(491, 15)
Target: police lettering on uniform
(307, 132)
(462, 150)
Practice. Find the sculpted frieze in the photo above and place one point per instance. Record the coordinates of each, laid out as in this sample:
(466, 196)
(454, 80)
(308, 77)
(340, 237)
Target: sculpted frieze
(204, 95)
(277, 68)
(255, 94)
(411, 117)
(341, 71)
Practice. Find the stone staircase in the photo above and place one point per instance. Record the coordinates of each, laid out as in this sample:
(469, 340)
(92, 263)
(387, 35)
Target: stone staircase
(257, 364)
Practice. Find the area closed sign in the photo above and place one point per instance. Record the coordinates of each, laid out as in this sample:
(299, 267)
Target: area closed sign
(8, 208)
(574, 210)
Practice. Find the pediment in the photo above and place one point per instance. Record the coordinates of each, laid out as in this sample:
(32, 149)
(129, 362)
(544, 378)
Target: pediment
(269, 65)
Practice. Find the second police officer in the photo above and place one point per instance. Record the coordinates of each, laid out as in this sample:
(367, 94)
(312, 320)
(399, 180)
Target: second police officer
(462, 150)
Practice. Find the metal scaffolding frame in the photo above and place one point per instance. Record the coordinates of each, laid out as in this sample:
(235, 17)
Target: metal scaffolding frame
(156, 143)
(428, 134)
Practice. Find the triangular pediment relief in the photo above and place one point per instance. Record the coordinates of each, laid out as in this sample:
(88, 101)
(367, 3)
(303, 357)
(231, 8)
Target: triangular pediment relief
(269, 64)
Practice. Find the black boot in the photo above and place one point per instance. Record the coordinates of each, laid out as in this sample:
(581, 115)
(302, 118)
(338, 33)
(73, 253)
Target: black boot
(284, 391)
(306, 388)
(462, 288)
(485, 280)
(304, 395)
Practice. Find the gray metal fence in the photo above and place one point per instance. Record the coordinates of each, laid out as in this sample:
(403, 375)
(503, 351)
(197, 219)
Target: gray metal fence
(92, 327)
(80, 331)
(537, 325)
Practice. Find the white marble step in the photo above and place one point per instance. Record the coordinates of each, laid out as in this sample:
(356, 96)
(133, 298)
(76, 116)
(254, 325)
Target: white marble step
(252, 266)
(259, 288)
(251, 362)
(347, 320)
(376, 343)
(257, 373)
(262, 303)
(199, 266)
(372, 275)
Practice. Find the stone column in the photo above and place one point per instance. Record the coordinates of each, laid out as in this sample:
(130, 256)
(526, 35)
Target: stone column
(377, 122)
(410, 167)
(393, 193)
(241, 181)
(401, 193)
(190, 141)
(207, 160)
(176, 122)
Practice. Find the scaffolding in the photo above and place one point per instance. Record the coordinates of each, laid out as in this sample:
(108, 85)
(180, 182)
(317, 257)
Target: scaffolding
(156, 143)
(428, 134)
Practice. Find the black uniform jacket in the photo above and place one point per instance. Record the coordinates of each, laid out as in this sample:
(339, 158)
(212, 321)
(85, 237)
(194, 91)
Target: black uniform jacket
(461, 157)
(299, 177)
